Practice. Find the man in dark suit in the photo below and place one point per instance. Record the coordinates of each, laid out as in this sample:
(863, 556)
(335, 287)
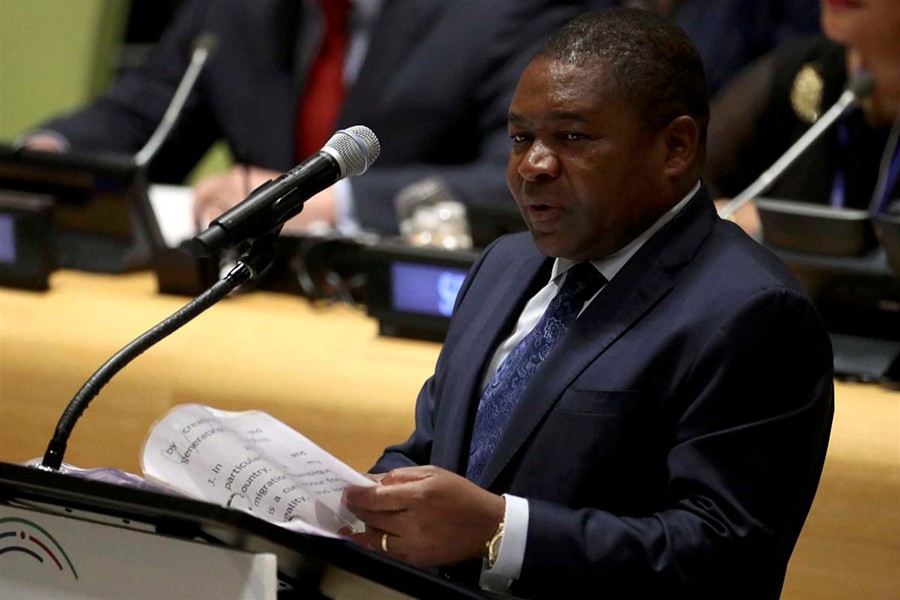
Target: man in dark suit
(668, 442)
(432, 79)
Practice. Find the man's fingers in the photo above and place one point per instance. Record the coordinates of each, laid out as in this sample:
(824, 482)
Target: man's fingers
(381, 498)
(389, 521)
(376, 477)
(363, 538)
(407, 475)
(378, 540)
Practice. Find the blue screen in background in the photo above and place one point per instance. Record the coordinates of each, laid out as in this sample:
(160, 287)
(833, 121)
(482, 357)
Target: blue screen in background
(7, 240)
(425, 289)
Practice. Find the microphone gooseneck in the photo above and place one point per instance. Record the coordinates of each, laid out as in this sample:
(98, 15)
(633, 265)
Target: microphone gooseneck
(203, 47)
(857, 88)
(256, 221)
(53, 457)
(348, 153)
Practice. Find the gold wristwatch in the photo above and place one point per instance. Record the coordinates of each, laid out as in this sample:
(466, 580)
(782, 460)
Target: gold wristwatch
(493, 546)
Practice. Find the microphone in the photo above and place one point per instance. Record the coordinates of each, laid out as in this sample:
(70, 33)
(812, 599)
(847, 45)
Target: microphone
(349, 152)
(857, 88)
(203, 47)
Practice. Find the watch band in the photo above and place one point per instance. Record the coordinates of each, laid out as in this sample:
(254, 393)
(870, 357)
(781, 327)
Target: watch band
(493, 545)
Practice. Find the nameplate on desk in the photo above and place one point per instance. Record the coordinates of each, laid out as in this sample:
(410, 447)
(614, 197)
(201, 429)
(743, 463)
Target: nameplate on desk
(425, 289)
(26, 231)
(101, 217)
(412, 291)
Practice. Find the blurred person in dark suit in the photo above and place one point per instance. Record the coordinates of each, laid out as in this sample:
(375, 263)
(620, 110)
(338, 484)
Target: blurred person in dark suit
(432, 79)
(597, 419)
(764, 111)
(730, 34)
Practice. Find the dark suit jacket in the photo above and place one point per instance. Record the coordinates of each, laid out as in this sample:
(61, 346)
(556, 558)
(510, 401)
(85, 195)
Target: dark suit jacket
(671, 444)
(730, 34)
(435, 88)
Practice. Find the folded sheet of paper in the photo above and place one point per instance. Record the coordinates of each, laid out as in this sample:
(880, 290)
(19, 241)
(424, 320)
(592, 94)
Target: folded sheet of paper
(253, 462)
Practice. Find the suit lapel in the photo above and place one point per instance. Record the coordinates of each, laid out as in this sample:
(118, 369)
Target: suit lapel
(486, 330)
(271, 32)
(618, 307)
(641, 284)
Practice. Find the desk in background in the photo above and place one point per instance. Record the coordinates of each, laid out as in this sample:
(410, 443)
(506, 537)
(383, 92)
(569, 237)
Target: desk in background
(326, 373)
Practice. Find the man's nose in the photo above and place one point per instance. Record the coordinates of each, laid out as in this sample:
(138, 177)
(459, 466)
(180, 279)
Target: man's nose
(540, 162)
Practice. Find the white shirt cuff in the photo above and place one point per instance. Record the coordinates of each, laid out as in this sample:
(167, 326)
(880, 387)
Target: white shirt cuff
(511, 553)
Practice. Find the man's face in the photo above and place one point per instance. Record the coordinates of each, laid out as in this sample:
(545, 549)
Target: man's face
(586, 173)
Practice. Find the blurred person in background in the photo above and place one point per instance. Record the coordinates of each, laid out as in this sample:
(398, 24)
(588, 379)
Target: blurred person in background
(730, 34)
(432, 79)
(755, 120)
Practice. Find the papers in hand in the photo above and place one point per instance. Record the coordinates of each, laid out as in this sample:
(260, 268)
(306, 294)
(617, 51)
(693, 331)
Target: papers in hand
(251, 461)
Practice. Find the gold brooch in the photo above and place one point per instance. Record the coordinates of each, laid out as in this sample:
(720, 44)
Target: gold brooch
(806, 94)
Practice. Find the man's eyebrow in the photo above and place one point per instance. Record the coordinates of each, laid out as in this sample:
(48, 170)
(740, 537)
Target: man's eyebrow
(514, 118)
(559, 116)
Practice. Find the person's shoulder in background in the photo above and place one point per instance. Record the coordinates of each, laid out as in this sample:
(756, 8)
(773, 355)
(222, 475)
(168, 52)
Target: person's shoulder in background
(731, 34)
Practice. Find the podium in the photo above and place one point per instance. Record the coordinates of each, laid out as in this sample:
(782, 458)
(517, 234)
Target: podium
(65, 536)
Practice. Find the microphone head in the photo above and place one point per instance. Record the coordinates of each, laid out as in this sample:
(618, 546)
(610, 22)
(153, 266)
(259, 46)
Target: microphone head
(862, 84)
(205, 41)
(354, 148)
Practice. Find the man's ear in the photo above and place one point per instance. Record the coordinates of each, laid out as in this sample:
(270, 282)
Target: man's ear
(682, 141)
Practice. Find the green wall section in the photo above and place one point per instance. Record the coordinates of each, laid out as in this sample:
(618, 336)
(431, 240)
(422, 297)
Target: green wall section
(54, 56)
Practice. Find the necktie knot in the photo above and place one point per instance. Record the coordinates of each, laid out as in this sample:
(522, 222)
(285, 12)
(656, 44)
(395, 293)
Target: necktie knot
(582, 282)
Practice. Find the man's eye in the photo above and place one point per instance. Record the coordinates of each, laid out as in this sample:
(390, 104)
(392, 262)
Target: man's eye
(519, 138)
(572, 136)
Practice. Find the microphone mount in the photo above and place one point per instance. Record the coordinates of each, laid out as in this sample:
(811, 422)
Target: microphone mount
(348, 153)
(258, 256)
(251, 228)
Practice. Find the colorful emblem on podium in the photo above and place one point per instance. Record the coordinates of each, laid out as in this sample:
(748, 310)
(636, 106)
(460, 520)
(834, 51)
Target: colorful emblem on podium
(23, 537)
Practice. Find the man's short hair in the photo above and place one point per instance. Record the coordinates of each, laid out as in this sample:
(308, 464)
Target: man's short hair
(653, 63)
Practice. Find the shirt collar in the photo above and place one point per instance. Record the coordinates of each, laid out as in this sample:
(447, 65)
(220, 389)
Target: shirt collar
(613, 263)
(367, 9)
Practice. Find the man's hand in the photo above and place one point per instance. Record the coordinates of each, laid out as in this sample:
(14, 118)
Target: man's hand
(217, 193)
(431, 516)
(43, 142)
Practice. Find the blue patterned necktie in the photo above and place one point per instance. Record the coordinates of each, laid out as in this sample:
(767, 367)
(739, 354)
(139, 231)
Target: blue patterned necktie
(509, 382)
